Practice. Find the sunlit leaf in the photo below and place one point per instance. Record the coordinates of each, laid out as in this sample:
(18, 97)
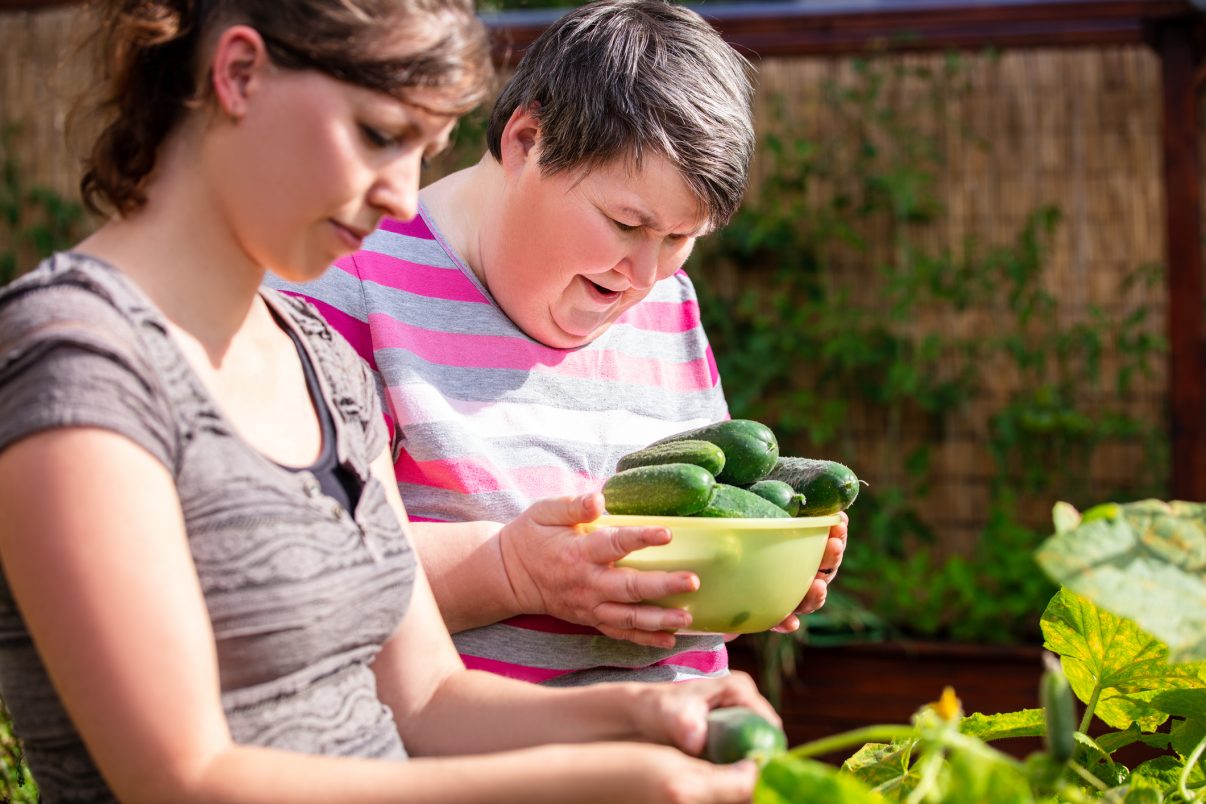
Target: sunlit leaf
(973, 779)
(1186, 734)
(1161, 773)
(1145, 561)
(789, 780)
(881, 764)
(1101, 651)
(1065, 517)
(1025, 723)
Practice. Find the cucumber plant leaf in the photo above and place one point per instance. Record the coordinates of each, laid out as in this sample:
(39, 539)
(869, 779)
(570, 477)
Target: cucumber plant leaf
(972, 779)
(1024, 723)
(1111, 663)
(882, 765)
(1190, 707)
(787, 779)
(1145, 561)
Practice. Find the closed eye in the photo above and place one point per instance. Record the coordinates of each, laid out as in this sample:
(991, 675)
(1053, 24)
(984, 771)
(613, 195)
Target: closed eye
(624, 227)
(376, 138)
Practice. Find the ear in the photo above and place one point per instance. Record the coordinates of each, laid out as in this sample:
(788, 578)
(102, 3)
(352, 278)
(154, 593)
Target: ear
(239, 57)
(520, 138)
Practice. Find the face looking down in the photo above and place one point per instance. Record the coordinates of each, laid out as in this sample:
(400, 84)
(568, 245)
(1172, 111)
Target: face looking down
(312, 163)
(574, 250)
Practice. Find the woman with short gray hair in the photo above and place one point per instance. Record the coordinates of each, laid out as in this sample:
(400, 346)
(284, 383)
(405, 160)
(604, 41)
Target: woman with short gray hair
(533, 324)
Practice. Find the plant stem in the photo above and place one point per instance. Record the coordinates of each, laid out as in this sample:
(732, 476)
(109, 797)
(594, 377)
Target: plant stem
(859, 737)
(1090, 707)
(1190, 762)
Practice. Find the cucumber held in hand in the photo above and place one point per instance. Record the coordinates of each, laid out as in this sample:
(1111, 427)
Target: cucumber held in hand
(731, 502)
(750, 448)
(779, 493)
(669, 489)
(737, 732)
(827, 486)
(700, 453)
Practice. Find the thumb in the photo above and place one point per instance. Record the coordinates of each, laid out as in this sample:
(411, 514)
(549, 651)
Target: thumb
(733, 782)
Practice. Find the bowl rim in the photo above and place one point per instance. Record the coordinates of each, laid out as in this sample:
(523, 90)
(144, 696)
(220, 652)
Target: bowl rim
(639, 520)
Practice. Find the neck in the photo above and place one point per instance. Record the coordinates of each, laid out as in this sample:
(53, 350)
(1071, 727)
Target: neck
(464, 206)
(185, 256)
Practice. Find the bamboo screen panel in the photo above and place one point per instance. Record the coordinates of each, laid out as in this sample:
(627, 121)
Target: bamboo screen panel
(1076, 128)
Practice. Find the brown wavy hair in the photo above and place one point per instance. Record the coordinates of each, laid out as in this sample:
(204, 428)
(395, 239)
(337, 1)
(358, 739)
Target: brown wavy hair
(150, 52)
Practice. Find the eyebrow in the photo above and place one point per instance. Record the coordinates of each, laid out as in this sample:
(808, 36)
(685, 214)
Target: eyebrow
(650, 221)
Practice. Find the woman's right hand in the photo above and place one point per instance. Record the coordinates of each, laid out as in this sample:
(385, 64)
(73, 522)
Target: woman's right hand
(555, 569)
(662, 775)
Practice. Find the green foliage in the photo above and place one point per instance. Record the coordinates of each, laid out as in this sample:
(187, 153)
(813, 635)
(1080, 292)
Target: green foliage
(1144, 561)
(17, 785)
(832, 313)
(1119, 671)
(34, 220)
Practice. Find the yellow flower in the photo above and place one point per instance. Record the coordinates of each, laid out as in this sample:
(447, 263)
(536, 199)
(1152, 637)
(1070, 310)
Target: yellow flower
(948, 707)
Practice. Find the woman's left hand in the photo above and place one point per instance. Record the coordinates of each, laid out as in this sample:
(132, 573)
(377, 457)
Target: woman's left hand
(830, 561)
(676, 713)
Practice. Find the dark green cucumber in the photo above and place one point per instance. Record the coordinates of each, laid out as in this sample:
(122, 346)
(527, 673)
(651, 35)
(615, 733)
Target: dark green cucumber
(779, 493)
(736, 733)
(700, 453)
(827, 486)
(731, 502)
(750, 448)
(669, 489)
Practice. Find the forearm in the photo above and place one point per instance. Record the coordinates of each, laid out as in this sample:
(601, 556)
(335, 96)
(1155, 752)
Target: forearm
(477, 712)
(249, 775)
(464, 565)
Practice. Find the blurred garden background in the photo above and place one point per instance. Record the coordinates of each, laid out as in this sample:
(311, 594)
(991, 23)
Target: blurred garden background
(951, 272)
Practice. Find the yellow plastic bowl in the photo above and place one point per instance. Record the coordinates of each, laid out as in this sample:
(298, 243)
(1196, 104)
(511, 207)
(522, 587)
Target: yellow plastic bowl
(752, 572)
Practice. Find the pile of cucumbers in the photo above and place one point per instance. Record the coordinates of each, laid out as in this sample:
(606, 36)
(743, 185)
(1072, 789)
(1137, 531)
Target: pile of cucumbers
(728, 469)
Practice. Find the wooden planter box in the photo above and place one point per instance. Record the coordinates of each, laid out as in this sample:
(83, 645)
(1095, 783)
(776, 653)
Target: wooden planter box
(837, 689)
(843, 688)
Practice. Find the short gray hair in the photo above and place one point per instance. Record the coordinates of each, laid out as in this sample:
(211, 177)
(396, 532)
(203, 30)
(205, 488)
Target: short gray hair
(620, 78)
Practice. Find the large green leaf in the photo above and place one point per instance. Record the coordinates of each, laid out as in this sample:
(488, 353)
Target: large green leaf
(789, 780)
(1024, 723)
(1111, 659)
(972, 779)
(1145, 561)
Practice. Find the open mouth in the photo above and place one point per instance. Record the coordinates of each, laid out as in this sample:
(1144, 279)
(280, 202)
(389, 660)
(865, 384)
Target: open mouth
(351, 236)
(602, 293)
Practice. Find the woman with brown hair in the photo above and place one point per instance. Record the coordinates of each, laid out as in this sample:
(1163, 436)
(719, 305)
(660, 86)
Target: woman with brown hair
(208, 591)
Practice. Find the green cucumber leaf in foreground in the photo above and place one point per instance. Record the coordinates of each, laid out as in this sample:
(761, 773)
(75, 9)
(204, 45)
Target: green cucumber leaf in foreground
(1145, 561)
(1113, 665)
(787, 780)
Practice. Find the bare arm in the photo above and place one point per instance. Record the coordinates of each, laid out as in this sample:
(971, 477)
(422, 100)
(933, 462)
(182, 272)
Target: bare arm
(105, 580)
(442, 708)
(539, 563)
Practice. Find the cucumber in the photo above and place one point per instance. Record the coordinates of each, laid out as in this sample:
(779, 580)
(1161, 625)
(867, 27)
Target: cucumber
(731, 502)
(700, 453)
(750, 448)
(1059, 711)
(827, 486)
(737, 732)
(669, 489)
(779, 493)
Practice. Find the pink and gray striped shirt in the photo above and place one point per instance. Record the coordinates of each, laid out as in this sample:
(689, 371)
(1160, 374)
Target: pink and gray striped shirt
(487, 420)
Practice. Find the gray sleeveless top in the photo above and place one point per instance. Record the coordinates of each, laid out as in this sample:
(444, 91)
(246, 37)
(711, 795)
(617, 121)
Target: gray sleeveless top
(301, 593)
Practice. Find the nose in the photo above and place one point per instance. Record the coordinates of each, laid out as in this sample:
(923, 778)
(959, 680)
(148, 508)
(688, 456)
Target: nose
(396, 189)
(641, 264)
